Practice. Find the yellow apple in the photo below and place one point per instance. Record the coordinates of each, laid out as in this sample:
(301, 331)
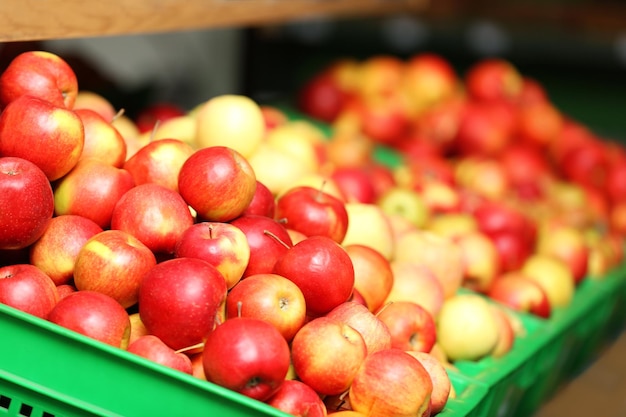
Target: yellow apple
(405, 202)
(368, 225)
(553, 275)
(182, 128)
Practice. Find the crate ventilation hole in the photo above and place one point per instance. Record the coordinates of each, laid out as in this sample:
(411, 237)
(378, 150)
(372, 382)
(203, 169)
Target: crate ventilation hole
(25, 409)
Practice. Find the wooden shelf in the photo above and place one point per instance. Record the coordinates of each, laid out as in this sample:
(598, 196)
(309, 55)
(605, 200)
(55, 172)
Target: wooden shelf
(23, 20)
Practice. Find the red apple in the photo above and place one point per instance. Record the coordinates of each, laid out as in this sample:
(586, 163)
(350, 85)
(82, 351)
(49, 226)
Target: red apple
(312, 212)
(153, 348)
(94, 315)
(374, 331)
(513, 249)
(391, 383)
(223, 245)
(263, 203)
(383, 119)
(273, 116)
(539, 123)
(268, 240)
(493, 79)
(327, 354)
(159, 162)
(92, 100)
(323, 271)
(56, 250)
(297, 399)
(65, 290)
(40, 74)
(518, 292)
(411, 326)
(430, 78)
(355, 184)
(102, 140)
(481, 259)
(154, 214)
(114, 263)
(51, 137)
(248, 356)
(321, 97)
(485, 128)
(217, 182)
(373, 275)
(416, 282)
(506, 338)
(27, 288)
(148, 116)
(27, 203)
(442, 386)
(180, 299)
(269, 297)
(92, 189)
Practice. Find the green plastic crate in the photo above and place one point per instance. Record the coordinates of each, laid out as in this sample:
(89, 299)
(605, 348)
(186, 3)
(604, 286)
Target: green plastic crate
(469, 400)
(46, 371)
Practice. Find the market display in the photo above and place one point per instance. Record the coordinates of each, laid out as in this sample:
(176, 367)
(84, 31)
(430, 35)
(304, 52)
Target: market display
(363, 252)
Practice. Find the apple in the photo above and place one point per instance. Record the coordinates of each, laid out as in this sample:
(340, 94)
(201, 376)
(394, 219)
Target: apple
(217, 182)
(273, 116)
(417, 283)
(383, 118)
(27, 203)
(297, 399)
(230, 120)
(430, 79)
(114, 263)
(137, 328)
(56, 250)
(153, 348)
(180, 299)
(453, 225)
(412, 327)
(268, 240)
(159, 162)
(27, 288)
(248, 356)
(223, 245)
(349, 149)
(197, 367)
(102, 140)
(160, 112)
(40, 74)
(50, 136)
(484, 128)
(301, 140)
(95, 315)
(129, 131)
(532, 92)
(380, 75)
(321, 97)
(263, 202)
(327, 354)
(65, 289)
(506, 340)
(91, 189)
(440, 197)
(374, 331)
(467, 328)
(513, 249)
(405, 202)
(182, 128)
(269, 297)
(568, 244)
(391, 382)
(86, 99)
(312, 212)
(369, 225)
(442, 386)
(520, 293)
(323, 271)
(355, 184)
(373, 275)
(539, 123)
(482, 176)
(441, 255)
(154, 214)
(493, 79)
(480, 258)
(553, 275)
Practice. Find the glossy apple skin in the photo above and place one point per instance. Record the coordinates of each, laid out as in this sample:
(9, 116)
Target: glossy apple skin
(321, 98)
(248, 356)
(56, 250)
(180, 299)
(154, 214)
(323, 271)
(114, 263)
(390, 383)
(217, 182)
(159, 162)
(95, 315)
(27, 203)
(326, 354)
(51, 137)
(263, 203)
(411, 326)
(27, 288)
(493, 79)
(223, 245)
(265, 249)
(298, 399)
(439, 377)
(373, 275)
(153, 348)
(40, 74)
(102, 140)
(92, 189)
(313, 212)
(269, 297)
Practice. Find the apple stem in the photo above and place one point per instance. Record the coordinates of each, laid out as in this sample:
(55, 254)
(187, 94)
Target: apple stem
(320, 191)
(154, 129)
(192, 347)
(117, 115)
(210, 231)
(239, 308)
(380, 310)
(279, 240)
